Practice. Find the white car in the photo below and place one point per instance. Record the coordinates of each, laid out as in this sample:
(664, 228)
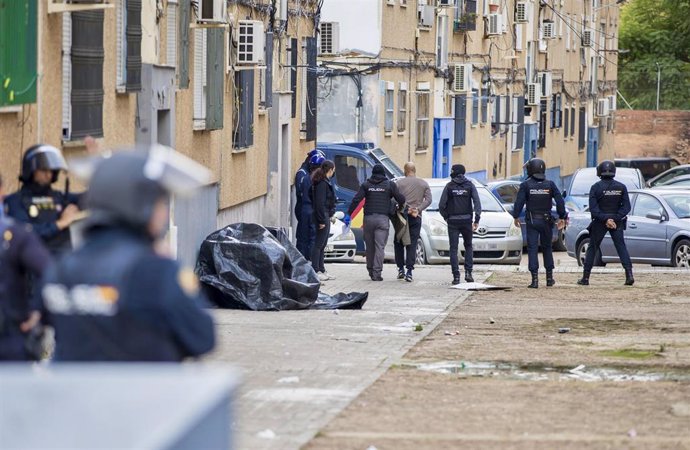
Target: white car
(341, 245)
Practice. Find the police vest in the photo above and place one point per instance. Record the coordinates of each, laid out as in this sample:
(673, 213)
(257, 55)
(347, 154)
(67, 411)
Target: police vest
(610, 196)
(539, 195)
(378, 198)
(459, 199)
(46, 209)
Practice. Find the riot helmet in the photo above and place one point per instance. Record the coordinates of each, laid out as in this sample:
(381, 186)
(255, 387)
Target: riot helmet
(536, 168)
(42, 157)
(606, 169)
(316, 159)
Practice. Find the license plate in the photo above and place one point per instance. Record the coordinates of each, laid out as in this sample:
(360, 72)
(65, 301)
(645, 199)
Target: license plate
(484, 246)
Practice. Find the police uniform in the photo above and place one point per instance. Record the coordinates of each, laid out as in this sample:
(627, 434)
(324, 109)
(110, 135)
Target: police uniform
(608, 199)
(458, 201)
(306, 231)
(21, 255)
(536, 194)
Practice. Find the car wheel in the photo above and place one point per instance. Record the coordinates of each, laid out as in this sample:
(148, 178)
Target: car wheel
(559, 245)
(681, 254)
(582, 253)
(420, 253)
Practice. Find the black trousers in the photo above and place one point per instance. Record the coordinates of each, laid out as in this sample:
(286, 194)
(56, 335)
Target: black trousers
(403, 260)
(455, 230)
(319, 247)
(539, 231)
(596, 234)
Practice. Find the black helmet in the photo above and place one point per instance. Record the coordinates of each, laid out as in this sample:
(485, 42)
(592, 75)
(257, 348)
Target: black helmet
(42, 157)
(536, 168)
(125, 187)
(606, 169)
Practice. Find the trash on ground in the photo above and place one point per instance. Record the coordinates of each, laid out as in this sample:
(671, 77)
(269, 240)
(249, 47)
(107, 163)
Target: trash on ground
(491, 320)
(564, 330)
(266, 434)
(452, 333)
(247, 266)
(286, 380)
(479, 287)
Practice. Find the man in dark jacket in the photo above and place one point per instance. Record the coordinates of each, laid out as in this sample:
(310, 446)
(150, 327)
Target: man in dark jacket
(609, 206)
(50, 212)
(21, 254)
(377, 192)
(537, 193)
(118, 297)
(306, 233)
(458, 201)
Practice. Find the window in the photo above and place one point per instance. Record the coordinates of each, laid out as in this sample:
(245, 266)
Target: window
(310, 86)
(171, 33)
(602, 43)
(200, 81)
(184, 13)
(389, 105)
(582, 127)
(460, 120)
(517, 115)
(243, 115)
(402, 108)
(475, 106)
(507, 193)
(646, 204)
(350, 172)
(556, 112)
(466, 16)
(294, 43)
(566, 122)
(442, 42)
(495, 115)
(485, 104)
(518, 37)
(18, 60)
(422, 120)
(594, 77)
(266, 75)
(542, 123)
(129, 46)
(303, 72)
(572, 121)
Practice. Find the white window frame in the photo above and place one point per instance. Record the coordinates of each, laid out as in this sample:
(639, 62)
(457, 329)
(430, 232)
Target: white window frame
(171, 33)
(402, 108)
(121, 38)
(200, 87)
(66, 76)
(389, 107)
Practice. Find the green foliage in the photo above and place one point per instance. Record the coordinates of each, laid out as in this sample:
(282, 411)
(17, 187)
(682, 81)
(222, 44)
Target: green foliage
(655, 31)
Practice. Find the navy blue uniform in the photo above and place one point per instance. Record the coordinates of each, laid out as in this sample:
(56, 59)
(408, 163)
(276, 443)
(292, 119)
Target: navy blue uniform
(458, 201)
(306, 232)
(537, 196)
(322, 197)
(21, 255)
(608, 199)
(114, 299)
(41, 207)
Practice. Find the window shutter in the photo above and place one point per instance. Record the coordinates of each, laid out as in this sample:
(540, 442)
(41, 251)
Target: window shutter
(553, 111)
(171, 35)
(133, 45)
(183, 39)
(215, 59)
(294, 51)
(243, 119)
(505, 127)
(566, 130)
(460, 120)
(542, 124)
(581, 142)
(66, 75)
(572, 121)
(521, 122)
(87, 74)
(475, 106)
(311, 89)
(269, 71)
(199, 75)
(559, 111)
(485, 105)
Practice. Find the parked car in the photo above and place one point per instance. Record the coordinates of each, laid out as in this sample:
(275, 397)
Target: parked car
(649, 166)
(658, 230)
(681, 181)
(506, 192)
(670, 174)
(353, 164)
(496, 241)
(341, 245)
(577, 194)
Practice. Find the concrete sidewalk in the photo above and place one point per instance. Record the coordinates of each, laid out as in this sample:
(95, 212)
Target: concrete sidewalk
(301, 368)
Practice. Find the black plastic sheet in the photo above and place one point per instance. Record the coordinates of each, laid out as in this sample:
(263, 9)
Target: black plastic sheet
(247, 266)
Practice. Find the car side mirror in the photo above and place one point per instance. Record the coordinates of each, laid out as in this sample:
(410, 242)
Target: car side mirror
(660, 216)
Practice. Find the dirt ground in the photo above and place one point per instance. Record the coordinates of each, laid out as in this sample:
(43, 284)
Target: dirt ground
(498, 374)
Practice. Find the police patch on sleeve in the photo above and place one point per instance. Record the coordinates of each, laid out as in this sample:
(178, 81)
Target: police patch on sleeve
(188, 281)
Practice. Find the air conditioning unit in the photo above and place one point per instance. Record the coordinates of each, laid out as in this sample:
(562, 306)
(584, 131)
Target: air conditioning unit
(426, 15)
(250, 42)
(549, 29)
(446, 3)
(211, 11)
(522, 10)
(587, 36)
(545, 80)
(462, 80)
(532, 97)
(494, 25)
(602, 107)
(329, 38)
(612, 102)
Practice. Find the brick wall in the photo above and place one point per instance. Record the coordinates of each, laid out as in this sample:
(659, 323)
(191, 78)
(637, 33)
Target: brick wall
(653, 133)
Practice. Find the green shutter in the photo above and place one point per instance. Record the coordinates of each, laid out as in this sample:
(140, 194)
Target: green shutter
(183, 36)
(18, 51)
(215, 59)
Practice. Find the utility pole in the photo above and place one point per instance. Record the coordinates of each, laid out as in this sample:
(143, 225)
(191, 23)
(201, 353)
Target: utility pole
(658, 84)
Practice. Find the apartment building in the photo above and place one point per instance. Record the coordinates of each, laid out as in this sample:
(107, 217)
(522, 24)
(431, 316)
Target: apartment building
(485, 83)
(223, 81)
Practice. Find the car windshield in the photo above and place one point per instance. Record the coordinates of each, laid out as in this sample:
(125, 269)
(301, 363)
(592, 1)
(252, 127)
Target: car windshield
(387, 162)
(585, 179)
(679, 203)
(489, 202)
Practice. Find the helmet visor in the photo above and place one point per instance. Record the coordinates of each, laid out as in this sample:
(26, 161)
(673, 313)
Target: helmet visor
(48, 159)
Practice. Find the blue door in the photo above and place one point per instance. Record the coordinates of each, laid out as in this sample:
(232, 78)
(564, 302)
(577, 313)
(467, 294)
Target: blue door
(443, 143)
(592, 146)
(531, 135)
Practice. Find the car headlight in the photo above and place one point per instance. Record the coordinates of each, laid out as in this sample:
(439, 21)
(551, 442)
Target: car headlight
(348, 236)
(437, 228)
(514, 230)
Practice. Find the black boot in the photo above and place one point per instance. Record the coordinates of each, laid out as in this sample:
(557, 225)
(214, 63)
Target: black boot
(456, 279)
(629, 280)
(584, 281)
(549, 278)
(468, 276)
(535, 281)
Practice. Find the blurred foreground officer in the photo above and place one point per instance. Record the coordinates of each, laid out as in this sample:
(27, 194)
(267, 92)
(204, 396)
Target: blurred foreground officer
(115, 298)
(49, 211)
(21, 253)
(459, 199)
(537, 193)
(609, 205)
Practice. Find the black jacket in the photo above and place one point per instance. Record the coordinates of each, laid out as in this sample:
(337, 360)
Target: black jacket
(377, 192)
(608, 199)
(459, 199)
(537, 196)
(323, 201)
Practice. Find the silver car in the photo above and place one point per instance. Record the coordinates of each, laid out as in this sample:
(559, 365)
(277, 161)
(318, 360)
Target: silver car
(658, 230)
(496, 241)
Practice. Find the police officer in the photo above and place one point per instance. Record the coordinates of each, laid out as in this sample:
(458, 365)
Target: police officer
(537, 193)
(609, 205)
(21, 253)
(117, 298)
(306, 232)
(458, 200)
(49, 211)
(377, 192)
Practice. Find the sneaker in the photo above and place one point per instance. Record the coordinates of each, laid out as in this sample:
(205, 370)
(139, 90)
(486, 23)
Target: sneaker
(322, 276)
(401, 274)
(408, 276)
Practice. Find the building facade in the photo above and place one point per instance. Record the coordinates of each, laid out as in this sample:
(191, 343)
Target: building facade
(485, 83)
(223, 81)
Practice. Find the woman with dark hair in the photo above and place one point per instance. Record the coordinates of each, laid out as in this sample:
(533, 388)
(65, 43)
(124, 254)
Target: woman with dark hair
(323, 202)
